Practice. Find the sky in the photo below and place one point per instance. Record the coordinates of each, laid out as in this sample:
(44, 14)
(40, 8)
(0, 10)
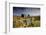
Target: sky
(17, 11)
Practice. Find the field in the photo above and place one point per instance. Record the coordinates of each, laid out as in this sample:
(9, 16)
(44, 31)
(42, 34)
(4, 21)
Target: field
(23, 22)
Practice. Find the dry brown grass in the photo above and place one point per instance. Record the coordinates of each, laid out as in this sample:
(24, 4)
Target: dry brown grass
(18, 22)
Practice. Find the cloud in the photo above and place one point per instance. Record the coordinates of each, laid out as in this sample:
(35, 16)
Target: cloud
(17, 11)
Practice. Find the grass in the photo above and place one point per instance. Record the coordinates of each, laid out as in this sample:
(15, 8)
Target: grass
(22, 22)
